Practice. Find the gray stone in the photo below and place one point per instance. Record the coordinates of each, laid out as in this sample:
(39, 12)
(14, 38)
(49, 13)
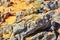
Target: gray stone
(18, 37)
(41, 24)
(52, 12)
(56, 17)
(58, 37)
(38, 36)
(18, 16)
(52, 5)
(49, 37)
(18, 27)
(7, 29)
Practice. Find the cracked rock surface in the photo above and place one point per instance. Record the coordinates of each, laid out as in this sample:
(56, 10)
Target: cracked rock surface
(29, 19)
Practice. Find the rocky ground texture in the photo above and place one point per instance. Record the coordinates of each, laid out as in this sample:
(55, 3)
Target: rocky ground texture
(29, 19)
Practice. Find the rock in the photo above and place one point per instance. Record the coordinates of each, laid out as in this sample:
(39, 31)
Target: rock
(17, 37)
(7, 29)
(41, 24)
(47, 17)
(18, 27)
(56, 17)
(52, 12)
(49, 37)
(59, 3)
(38, 19)
(43, 36)
(18, 15)
(45, 6)
(52, 5)
(30, 25)
(58, 37)
(38, 36)
(1, 38)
